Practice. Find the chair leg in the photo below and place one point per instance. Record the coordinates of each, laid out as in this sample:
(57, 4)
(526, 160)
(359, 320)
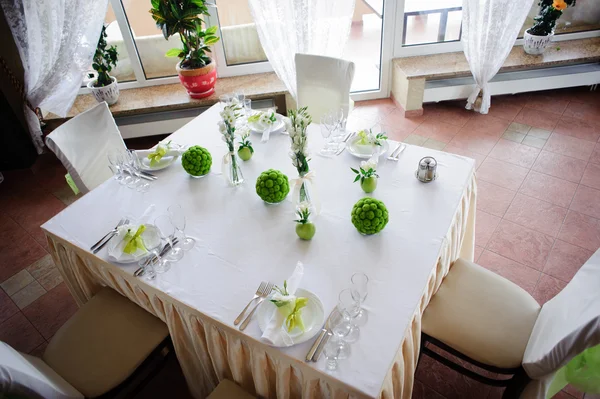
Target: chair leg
(516, 385)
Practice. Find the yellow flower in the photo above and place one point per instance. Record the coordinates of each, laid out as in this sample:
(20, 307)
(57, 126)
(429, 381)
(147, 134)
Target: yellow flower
(559, 5)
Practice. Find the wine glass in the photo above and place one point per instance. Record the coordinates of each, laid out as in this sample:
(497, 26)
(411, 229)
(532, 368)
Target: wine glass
(167, 232)
(134, 165)
(340, 329)
(349, 307)
(116, 160)
(332, 352)
(360, 292)
(178, 218)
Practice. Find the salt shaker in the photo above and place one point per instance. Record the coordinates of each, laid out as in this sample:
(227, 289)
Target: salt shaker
(427, 169)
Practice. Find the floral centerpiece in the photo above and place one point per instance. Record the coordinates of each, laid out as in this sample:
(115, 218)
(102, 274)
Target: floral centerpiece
(296, 125)
(230, 167)
(369, 216)
(539, 36)
(272, 186)
(367, 174)
(304, 228)
(265, 121)
(290, 306)
(196, 161)
(245, 149)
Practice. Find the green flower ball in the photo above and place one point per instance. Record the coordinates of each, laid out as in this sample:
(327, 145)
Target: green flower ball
(196, 161)
(369, 215)
(272, 186)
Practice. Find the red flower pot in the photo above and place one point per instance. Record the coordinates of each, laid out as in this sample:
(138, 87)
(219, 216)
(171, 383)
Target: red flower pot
(199, 82)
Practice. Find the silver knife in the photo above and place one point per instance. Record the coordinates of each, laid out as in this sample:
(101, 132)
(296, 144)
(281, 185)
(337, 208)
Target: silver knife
(313, 353)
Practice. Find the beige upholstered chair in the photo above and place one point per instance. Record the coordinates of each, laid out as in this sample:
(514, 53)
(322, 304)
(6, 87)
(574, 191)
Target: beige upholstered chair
(484, 319)
(96, 352)
(229, 390)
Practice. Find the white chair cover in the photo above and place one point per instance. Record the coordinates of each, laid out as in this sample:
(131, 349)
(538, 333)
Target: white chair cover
(566, 326)
(30, 377)
(82, 144)
(323, 84)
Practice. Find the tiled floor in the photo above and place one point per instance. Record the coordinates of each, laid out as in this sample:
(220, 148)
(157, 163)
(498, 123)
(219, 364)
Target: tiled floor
(538, 211)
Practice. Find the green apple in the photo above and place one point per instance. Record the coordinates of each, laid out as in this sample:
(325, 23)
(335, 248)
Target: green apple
(305, 231)
(245, 153)
(369, 184)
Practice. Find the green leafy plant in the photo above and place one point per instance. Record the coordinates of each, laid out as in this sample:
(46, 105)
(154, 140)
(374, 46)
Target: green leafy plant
(369, 216)
(245, 143)
(272, 186)
(368, 137)
(366, 170)
(104, 60)
(196, 161)
(550, 11)
(183, 18)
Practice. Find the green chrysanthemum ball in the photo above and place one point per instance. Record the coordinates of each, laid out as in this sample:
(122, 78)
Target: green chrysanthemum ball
(196, 161)
(369, 215)
(272, 186)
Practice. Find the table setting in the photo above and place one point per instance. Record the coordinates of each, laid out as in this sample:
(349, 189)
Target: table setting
(308, 272)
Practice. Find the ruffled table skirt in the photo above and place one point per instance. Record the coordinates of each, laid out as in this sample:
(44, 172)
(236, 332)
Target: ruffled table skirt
(209, 351)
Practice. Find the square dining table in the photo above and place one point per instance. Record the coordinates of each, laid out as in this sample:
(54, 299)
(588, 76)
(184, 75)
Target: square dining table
(241, 241)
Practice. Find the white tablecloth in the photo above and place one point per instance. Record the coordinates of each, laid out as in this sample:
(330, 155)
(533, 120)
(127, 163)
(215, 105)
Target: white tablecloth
(241, 241)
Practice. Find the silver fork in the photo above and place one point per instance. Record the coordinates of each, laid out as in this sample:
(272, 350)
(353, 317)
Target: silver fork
(121, 223)
(397, 151)
(262, 296)
(260, 289)
(110, 237)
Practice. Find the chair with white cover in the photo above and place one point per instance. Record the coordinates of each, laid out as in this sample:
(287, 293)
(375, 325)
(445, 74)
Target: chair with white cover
(83, 143)
(323, 84)
(107, 347)
(488, 321)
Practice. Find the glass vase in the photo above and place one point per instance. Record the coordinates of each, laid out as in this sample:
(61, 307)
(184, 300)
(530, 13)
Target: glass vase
(234, 172)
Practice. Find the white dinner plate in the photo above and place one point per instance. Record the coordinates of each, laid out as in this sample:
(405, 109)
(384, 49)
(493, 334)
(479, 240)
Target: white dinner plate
(151, 237)
(365, 152)
(312, 315)
(259, 128)
(164, 162)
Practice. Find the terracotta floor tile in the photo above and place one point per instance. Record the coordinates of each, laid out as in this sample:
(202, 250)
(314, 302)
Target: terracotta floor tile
(493, 199)
(17, 248)
(422, 391)
(521, 244)
(519, 100)
(415, 139)
(513, 136)
(536, 118)
(539, 133)
(591, 176)
(560, 166)
(19, 333)
(581, 230)
(41, 267)
(28, 294)
(39, 350)
(587, 112)
(504, 111)
(437, 130)
(595, 157)
(485, 224)
(569, 146)
(7, 307)
(374, 110)
(475, 141)
(434, 144)
(396, 120)
(50, 279)
(547, 288)
(50, 311)
(534, 142)
(501, 173)
(514, 153)
(547, 104)
(565, 260)
(524, 276)
(487, 124)
(587, 201)
(557, 191)
(536, 214)
(457, 116)
(479, 158)
(17, 282)
(577, 128)
(519, 127)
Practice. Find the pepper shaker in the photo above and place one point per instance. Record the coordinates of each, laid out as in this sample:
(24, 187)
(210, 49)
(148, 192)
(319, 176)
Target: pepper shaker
(427, 169)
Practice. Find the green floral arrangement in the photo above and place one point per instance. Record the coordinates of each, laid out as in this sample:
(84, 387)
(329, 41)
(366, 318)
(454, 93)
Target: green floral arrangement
(272, 186)
(245, 149)
(161, 150)
(369, 216)
(305, 229)
(367, 174)
(367, 137)
(196, 161)
(289, 306)
(133, 241)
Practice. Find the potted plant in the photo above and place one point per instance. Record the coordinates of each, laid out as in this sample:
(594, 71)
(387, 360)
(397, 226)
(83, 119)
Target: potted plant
(539, 36)
(196, 70)
(104, 87)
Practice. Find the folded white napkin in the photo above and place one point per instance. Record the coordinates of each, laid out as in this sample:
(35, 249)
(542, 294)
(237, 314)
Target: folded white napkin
(275, 333)
(170, 153)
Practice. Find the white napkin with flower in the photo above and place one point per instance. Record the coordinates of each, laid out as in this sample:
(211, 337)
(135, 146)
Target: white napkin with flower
(276, 332)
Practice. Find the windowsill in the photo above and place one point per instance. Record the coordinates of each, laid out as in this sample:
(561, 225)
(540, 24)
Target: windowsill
(173, 97)
(453, 65)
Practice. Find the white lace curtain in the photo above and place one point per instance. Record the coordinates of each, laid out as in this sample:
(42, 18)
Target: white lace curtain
(56, 41)
(287, 27)
(489, 31)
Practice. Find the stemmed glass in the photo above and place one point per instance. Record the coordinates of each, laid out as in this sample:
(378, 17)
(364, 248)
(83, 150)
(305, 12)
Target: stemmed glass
(134, 167)
(115, 160)
(167, 232)
(178, 218)
(349, 307)
(340, 327)
(359, 293)
(340, 124)
(328, 125)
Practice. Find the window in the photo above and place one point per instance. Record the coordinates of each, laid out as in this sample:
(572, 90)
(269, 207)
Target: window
(431, 21)
(585, 16)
